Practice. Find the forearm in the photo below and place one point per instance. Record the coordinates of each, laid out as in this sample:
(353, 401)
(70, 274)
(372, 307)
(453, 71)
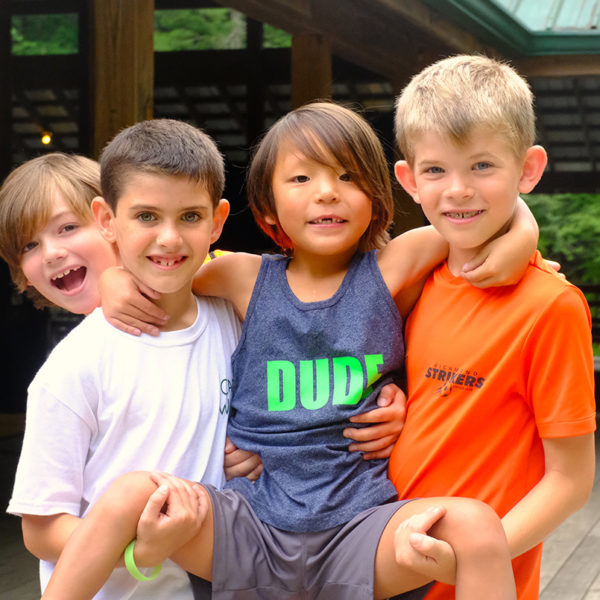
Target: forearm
(96, 546)
(45, 536)
(559, 493)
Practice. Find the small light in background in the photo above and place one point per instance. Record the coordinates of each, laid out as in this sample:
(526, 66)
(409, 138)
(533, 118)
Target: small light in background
(46, 138)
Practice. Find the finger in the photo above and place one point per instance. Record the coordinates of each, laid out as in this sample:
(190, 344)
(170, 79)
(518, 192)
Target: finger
(124, 327)
(147, 290)
(372, 445)
(229, 446)
(256, 472)
(424, 521)
(155, 503)
(244, 468)
(383, 453)
(365, 434)
(237, 457)
(386, 394)
(148, 310)
(143, 309)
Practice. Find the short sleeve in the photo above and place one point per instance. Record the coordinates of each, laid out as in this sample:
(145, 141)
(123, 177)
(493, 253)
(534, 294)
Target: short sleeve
(49, 477)
(560, 367)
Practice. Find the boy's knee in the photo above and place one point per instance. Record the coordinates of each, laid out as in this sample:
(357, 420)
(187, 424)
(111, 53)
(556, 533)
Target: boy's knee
(129, 492)
(481, 527)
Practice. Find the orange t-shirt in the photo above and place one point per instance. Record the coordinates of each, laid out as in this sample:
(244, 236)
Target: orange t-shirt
(491, 372)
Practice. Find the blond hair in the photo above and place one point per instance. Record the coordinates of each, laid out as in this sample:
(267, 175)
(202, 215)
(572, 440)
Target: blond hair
(26, 200)
(455, 95)
(324, 132)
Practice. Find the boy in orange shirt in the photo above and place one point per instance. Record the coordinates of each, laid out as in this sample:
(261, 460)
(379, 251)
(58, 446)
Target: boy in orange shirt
(500, 380)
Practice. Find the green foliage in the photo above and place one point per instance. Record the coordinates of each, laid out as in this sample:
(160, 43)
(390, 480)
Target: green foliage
(198, 29)
(174, 30)
(276, 38)
(570, 233)
(44, 34)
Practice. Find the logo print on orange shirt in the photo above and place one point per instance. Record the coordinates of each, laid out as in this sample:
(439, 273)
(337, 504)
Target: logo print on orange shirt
(451, 377)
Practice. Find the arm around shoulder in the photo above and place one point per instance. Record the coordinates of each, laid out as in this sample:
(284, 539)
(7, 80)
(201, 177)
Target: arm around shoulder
(231, 276)
(410, 257)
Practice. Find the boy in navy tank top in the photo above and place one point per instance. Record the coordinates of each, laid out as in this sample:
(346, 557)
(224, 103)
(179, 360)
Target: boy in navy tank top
(321, 335)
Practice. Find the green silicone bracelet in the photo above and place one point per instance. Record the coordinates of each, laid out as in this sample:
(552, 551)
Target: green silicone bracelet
(132, 567)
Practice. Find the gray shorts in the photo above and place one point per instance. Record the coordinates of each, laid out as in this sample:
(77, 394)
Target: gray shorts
(256, 561)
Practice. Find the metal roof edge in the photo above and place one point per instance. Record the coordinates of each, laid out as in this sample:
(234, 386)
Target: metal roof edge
(488, 21)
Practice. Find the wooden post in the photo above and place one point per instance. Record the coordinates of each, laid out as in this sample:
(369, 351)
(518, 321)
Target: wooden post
(311, 69)
(122, 66)
(5, 91)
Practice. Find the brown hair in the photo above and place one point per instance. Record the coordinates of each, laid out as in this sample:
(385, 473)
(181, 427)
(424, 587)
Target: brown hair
(455, 95)
(162, 147)
(324, 131)
(26, 201)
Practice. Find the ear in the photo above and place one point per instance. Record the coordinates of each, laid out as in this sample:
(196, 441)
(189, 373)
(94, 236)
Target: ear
(406, 178)
(533, 168)
(220, 215)
(103, 216)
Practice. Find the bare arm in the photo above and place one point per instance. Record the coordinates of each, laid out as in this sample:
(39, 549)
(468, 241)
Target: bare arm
(564, 488)
(410, 257)
(231, 277)
(45, 536)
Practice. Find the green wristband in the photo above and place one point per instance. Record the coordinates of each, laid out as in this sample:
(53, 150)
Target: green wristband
(132, 567)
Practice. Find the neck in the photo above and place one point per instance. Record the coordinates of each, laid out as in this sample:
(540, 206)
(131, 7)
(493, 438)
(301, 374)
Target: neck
(181, 307)
(317, 278)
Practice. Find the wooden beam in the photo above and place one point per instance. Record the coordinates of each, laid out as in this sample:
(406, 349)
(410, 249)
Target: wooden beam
(369, 33)
(573, 65)
(311, 69)
(122, 66)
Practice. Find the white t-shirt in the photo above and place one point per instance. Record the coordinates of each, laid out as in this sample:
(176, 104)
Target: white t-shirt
(105, 403)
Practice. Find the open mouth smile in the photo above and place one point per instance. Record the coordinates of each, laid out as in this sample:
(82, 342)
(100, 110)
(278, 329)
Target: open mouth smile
(70, 279)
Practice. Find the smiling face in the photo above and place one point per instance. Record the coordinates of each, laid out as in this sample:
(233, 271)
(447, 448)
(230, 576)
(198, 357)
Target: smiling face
(65, 259)
(163, 227)
(319, 206)
(468, 192)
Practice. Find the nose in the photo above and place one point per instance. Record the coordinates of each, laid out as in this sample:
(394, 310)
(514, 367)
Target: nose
(327, 189)
(53, 250)
(168, 236)
(459, 187)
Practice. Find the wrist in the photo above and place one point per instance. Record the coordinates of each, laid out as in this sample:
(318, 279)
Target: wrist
(132, 564)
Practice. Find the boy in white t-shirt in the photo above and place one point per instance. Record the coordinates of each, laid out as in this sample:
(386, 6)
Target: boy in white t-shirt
(105, 402)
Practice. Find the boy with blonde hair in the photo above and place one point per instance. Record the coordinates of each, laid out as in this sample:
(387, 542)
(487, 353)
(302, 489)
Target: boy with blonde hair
(505, 373)
(48, 237)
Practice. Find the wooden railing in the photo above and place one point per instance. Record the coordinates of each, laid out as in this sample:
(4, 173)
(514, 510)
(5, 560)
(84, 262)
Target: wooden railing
(592, 293)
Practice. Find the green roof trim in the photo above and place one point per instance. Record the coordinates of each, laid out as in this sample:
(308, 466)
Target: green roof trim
(490, 22)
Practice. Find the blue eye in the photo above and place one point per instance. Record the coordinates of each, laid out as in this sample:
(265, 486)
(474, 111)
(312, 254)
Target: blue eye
(435, 170)
(68, 228)
(482, 166)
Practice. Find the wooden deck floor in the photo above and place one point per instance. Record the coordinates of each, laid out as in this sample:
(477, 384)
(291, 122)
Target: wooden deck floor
(570, 564)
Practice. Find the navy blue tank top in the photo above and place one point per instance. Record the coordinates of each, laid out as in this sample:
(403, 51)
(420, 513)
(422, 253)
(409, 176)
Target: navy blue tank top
(300, 371)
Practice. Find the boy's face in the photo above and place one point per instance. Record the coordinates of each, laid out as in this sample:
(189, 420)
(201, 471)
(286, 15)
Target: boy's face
(64, 261)
(163, 228)
(319, 207)
(468, 192)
